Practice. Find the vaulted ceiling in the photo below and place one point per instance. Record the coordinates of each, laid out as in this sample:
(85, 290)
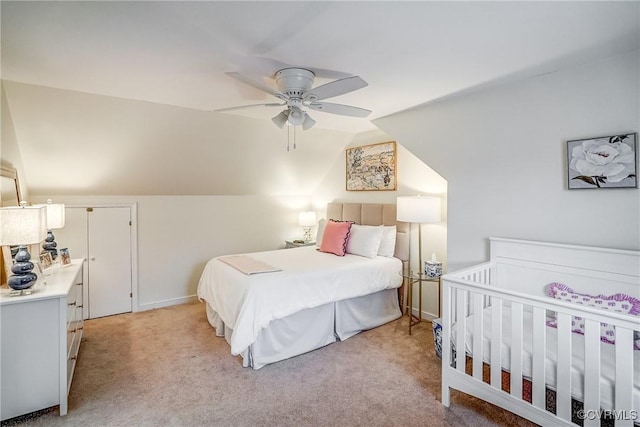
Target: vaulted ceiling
(133, 86)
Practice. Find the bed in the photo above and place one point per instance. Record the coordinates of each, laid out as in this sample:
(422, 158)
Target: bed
(535, 313)
(311, 299)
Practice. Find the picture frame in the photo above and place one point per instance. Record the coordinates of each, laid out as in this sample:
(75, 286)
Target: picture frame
(65, 258)
(372, 167)
(603, 162)
(46, 261)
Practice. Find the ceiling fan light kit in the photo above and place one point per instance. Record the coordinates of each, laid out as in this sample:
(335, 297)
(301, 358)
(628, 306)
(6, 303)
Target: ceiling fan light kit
(295, 88)
(281, 118)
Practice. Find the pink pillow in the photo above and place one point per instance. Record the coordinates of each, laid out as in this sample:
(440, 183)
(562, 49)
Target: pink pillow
(334, 239)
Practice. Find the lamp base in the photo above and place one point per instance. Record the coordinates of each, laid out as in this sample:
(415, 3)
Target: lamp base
(22, 292)
(50, 245)
(22, 281)
(307, 234)
(22, 278)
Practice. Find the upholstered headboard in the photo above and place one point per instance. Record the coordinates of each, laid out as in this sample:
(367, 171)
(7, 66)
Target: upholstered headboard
(374, 214)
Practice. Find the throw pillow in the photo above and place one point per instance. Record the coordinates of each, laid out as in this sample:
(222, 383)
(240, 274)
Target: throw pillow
(334, 239)
(320, 232)
(388, 242)
(364, 240)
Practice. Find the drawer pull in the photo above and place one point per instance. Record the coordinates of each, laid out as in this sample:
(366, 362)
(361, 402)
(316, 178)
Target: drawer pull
(73, 331)
(72, 303)
(73, 357)
(80, 306)
(81, 328)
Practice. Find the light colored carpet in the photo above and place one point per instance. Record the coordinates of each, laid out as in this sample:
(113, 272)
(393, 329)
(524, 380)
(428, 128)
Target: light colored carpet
(166, 367)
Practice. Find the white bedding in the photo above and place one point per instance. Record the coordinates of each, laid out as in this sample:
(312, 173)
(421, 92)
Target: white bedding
(309, 278)
(607, 355)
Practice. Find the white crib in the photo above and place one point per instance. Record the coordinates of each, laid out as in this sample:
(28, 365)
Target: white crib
(504, 302)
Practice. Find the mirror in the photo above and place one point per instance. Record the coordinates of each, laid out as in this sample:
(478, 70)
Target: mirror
(9, 196)
(9, 187)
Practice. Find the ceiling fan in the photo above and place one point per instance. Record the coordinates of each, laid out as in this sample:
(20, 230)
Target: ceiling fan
(295, 89)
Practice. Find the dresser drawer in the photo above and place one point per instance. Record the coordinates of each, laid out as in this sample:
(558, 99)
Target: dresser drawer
(72, 304)
(72, 356)
(74, 318)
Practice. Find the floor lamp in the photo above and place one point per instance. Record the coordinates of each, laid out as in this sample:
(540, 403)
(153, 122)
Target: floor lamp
(418, 210)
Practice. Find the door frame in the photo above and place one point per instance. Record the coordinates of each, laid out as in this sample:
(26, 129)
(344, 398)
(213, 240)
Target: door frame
(133, 230)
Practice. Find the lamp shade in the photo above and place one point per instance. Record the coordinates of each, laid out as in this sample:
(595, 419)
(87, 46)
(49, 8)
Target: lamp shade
(22, 225)
(307, 219)
(55, 214)
(296, 116)
(281, 119)
(418, 209)
(308, 122)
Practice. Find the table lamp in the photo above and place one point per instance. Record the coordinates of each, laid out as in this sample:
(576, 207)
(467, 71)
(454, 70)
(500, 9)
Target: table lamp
(307, 220)
(55, 220)
(22, 225)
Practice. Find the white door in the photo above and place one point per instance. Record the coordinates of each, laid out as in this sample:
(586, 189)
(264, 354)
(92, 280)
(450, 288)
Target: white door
(109, 266)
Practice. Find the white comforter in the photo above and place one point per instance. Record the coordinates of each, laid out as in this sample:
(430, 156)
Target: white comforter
(309, 278)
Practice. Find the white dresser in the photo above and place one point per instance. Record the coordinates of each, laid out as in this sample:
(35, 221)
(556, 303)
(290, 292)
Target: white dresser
(40, 337)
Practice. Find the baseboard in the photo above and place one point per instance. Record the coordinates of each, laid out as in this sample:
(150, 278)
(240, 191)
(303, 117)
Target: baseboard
(426, 316)
(167, 303)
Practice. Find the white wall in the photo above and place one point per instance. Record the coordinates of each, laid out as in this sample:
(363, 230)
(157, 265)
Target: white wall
(503, 153)
(78, 143)
(414, 177)
(9, 150)
(177, 235)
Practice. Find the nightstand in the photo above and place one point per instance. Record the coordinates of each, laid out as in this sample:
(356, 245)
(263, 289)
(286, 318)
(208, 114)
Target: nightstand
(419, 278)
(291, 244)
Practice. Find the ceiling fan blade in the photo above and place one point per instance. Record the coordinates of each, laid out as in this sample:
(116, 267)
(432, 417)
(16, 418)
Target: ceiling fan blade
(343, 110)
(240, 107)
(336, 88)
(257, 84)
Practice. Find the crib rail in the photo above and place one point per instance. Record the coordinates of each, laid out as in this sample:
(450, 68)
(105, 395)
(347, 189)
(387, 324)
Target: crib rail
(471, 291)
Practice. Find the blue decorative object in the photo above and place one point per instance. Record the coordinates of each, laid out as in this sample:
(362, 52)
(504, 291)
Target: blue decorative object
(50, 245)
(437, 336)
(22, 277)
(22, 281)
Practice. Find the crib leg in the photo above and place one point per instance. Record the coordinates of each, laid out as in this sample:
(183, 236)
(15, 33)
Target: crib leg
(446, 396)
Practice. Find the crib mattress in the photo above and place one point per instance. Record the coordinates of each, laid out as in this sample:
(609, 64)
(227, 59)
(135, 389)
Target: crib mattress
(607, 356)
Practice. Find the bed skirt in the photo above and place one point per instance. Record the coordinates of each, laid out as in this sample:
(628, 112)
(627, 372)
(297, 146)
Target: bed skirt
(313, 328)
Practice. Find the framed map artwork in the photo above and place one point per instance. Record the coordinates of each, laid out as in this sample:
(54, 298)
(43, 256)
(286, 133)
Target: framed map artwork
(372, 167)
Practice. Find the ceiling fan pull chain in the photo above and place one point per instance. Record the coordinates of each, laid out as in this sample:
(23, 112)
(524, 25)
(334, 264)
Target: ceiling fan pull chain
(288, 133)
(294, 137)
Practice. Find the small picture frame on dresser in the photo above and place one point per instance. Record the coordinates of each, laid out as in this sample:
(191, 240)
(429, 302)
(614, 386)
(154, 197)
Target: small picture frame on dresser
(37, 268)
(46, 261)
(65, 258)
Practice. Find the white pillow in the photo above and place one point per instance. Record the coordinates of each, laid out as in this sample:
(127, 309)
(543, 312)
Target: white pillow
(364, 240)
(388, 242)
(320, 231)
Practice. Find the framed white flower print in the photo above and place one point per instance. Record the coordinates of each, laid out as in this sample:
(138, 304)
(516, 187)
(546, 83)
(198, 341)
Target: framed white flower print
(604, 162)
